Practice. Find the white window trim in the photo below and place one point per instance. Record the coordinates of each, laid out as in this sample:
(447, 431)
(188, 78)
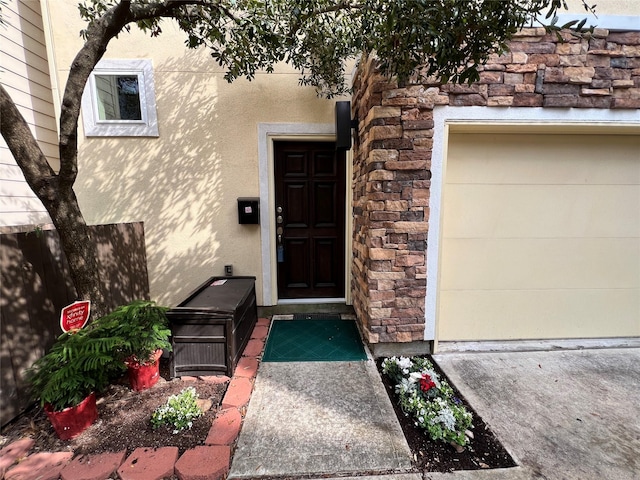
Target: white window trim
(147, 127)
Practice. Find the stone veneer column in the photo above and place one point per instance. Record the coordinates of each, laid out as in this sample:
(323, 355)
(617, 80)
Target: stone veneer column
(391, 205)
(392, 155)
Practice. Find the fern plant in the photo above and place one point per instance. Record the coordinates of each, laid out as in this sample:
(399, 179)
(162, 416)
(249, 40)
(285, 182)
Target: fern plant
(142, 327)
(85, 361)
(79, 363)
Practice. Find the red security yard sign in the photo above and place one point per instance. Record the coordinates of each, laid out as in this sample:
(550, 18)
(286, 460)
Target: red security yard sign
(75, 316)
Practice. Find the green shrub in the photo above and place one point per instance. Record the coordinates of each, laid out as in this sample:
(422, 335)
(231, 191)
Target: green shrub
(87, 360)
(79, 363)
(141, 325)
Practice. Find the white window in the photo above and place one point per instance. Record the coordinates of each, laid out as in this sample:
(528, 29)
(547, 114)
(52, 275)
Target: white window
(119, 100)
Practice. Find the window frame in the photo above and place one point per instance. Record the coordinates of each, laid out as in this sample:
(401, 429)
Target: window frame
(147, 126)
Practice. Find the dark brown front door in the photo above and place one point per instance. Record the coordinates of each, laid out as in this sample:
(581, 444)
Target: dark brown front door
(310, 196)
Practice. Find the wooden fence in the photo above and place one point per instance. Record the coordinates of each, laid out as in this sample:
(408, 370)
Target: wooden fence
(35, 286)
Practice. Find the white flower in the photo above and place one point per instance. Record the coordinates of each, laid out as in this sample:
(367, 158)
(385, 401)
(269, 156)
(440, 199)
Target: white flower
(405, 386)
(405, 364)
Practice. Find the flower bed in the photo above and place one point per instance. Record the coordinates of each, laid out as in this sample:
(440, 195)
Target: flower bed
(482, 450)
(125, 420)
(428, 399)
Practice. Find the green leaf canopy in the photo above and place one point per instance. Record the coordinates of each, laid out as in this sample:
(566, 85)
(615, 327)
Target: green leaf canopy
(443, 38)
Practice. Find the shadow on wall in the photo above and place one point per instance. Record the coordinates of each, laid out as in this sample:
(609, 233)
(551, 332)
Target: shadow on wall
(172, 183)
(183, 185)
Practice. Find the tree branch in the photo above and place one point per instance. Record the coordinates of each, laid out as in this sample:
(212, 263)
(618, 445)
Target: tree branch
(25, 148)
(98, 34)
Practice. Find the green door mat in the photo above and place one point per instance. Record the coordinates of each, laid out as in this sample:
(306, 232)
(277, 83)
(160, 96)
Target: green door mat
(314, 340)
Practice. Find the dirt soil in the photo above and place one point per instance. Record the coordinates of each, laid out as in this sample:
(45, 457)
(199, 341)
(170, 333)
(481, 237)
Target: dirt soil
(124, 420)
(482, 452)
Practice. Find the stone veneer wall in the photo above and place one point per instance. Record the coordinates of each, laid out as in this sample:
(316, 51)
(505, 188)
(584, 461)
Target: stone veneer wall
(392, 155)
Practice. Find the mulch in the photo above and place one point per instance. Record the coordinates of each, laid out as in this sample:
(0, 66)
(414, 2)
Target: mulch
(124, 424)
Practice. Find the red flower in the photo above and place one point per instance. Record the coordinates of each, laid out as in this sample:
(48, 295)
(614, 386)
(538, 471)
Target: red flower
(426, 383)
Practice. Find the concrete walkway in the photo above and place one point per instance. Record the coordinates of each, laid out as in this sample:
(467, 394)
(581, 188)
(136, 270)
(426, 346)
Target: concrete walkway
(319, 418)
(564, 415)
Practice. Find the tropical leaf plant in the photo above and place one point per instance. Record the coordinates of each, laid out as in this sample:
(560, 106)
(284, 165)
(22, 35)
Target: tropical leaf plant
(87, 360)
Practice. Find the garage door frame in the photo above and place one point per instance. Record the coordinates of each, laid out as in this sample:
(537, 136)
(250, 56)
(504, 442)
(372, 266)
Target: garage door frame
(499, 120)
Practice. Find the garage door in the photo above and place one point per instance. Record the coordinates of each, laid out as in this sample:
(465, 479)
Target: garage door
(540, 237)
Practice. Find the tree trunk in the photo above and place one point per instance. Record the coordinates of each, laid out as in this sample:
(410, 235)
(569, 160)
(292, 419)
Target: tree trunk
(82, 253)
(60, 201)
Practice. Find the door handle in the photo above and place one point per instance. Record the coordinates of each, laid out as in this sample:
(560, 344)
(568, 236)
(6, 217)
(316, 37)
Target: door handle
(279, 232)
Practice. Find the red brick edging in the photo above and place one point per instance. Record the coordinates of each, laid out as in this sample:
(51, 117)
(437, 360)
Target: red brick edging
(209, 461)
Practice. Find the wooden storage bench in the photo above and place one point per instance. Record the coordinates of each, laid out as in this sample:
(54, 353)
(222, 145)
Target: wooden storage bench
(212, 326)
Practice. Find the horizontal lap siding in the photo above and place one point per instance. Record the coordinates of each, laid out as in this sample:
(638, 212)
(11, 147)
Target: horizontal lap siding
(25, 76)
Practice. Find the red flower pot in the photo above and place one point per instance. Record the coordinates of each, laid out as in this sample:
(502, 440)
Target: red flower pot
(144, 375)
(72, 421)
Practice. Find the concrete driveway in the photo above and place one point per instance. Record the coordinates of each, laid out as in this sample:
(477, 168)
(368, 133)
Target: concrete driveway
(561, 414)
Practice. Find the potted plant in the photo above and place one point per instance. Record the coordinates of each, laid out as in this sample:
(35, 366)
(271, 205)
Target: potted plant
(143, 328)
(65, 380)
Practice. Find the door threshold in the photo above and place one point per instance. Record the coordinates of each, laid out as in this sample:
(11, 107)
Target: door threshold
(306, 301)
(313, 307)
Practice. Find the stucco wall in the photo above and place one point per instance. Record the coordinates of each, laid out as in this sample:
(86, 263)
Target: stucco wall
(184, 184)
(607, 7)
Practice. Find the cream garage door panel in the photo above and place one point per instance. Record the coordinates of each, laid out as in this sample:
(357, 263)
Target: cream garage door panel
(552, 159)
(527, 264)
(541, 237)
(568, 211)
(538, 314)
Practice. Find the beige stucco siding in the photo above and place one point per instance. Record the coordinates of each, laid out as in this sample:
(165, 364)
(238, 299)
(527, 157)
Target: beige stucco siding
(24, 73)
(541, 237)
(185, 183)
